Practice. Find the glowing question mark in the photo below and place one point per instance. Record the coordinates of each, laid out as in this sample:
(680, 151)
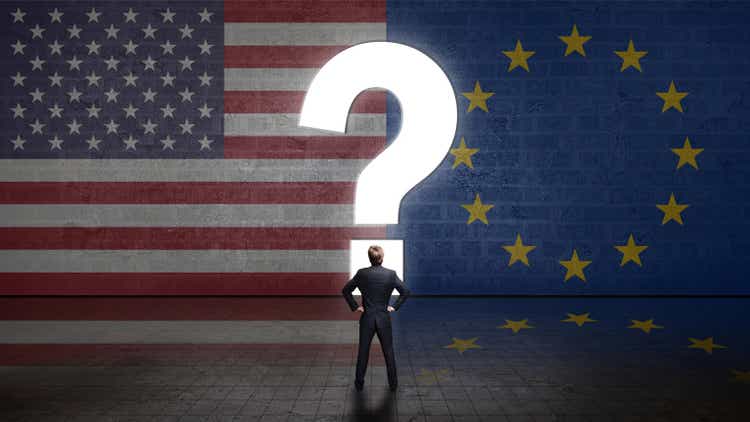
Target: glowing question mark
(428, 125)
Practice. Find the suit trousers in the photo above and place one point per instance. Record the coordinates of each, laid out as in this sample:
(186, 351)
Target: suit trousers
(371, 323)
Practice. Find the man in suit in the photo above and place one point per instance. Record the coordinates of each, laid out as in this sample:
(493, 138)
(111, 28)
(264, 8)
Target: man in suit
(375, 283)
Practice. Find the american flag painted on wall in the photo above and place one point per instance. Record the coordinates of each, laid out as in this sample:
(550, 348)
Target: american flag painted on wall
(153, 148)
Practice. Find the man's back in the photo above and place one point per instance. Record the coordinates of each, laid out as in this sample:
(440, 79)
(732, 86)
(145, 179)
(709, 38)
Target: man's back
(376, 283)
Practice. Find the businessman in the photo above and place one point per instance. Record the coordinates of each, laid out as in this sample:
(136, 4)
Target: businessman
(375, 283)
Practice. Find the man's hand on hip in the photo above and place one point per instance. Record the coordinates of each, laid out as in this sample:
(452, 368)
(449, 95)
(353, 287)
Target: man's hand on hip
(391, 309)
(360, 309)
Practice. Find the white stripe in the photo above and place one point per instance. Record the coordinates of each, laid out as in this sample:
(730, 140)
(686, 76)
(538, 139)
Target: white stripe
(160, 261)
(283, 33)
(287, 124)
(179, 332)
(273, 79)
(177, 215)
(123, 170)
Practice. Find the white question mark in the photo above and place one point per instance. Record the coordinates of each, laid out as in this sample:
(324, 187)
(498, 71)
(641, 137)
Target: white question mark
(428, 125)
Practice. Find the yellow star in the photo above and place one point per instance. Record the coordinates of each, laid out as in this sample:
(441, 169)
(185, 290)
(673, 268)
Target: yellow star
(516, 326)
(463, 155)
(477, 210)
(706, 344)
(672, 98)
(462, 345)
(631, 252)
(579, 319)
(631, 57)
(687, 154)
(741, 376)
(575, 267)
(518, 251)
(574, 42)
(645, 326)
(478, 98)
(672, 210)
(518, 57)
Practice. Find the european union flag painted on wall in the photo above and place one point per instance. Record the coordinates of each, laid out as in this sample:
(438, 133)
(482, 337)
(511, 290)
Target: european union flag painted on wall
(601, 149)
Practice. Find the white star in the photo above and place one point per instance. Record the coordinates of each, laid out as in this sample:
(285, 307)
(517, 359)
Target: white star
(55, 80)
(130, 15)
(205, 15)
(55, 143)
(205, 79)
(149, 63)
(111, 31)
(93, 79)
(74, 32)
(18, 111)
(55, 48)
(93, 15)
(74, 63)
(74, 95)
(74, 127)
(167, 142)
(168, 79)
(93, 142)
(205, 143)
(130, 111)
(205, 111)
(55, 16)
(112, 63)
(111, 127)
(187, 95)
(36, 63)
(18, 47)
(205, 47)
(56, 111)
(93, 47)
(37, 31)
(93, 111)
(18, 142)
(187, 127)
(130, 79)
(130, 47)
(36, 127)
(130, 143)
(18, 15)
(149, 127)
(149, 95)
(186, 63)
(168, 47)
(18, 79)
(187, 32)
(37, 95)
(112, 95)
(149, 32)
(168, 16)
(167, 110)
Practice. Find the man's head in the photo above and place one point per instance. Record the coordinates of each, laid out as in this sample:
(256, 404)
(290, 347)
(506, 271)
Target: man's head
(375, 253)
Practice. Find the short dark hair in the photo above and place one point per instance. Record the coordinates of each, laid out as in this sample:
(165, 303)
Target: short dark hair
(375, 253)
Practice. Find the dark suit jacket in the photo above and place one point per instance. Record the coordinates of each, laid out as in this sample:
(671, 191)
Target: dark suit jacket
(376, 284)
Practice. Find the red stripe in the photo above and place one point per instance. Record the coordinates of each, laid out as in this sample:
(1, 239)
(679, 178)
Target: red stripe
(305, 11)
(177, 192)
(176, 308)
(291, 102)
(178, 284)
(296, 238)
(279, 56)
(339, 147)
(185, 354)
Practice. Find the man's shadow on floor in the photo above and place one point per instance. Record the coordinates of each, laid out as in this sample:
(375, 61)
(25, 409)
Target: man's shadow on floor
(364, 409)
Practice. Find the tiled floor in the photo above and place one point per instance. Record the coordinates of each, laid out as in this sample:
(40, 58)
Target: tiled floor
(555, 371)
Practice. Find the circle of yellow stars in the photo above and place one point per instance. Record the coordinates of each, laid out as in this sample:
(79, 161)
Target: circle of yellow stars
(575, 44)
